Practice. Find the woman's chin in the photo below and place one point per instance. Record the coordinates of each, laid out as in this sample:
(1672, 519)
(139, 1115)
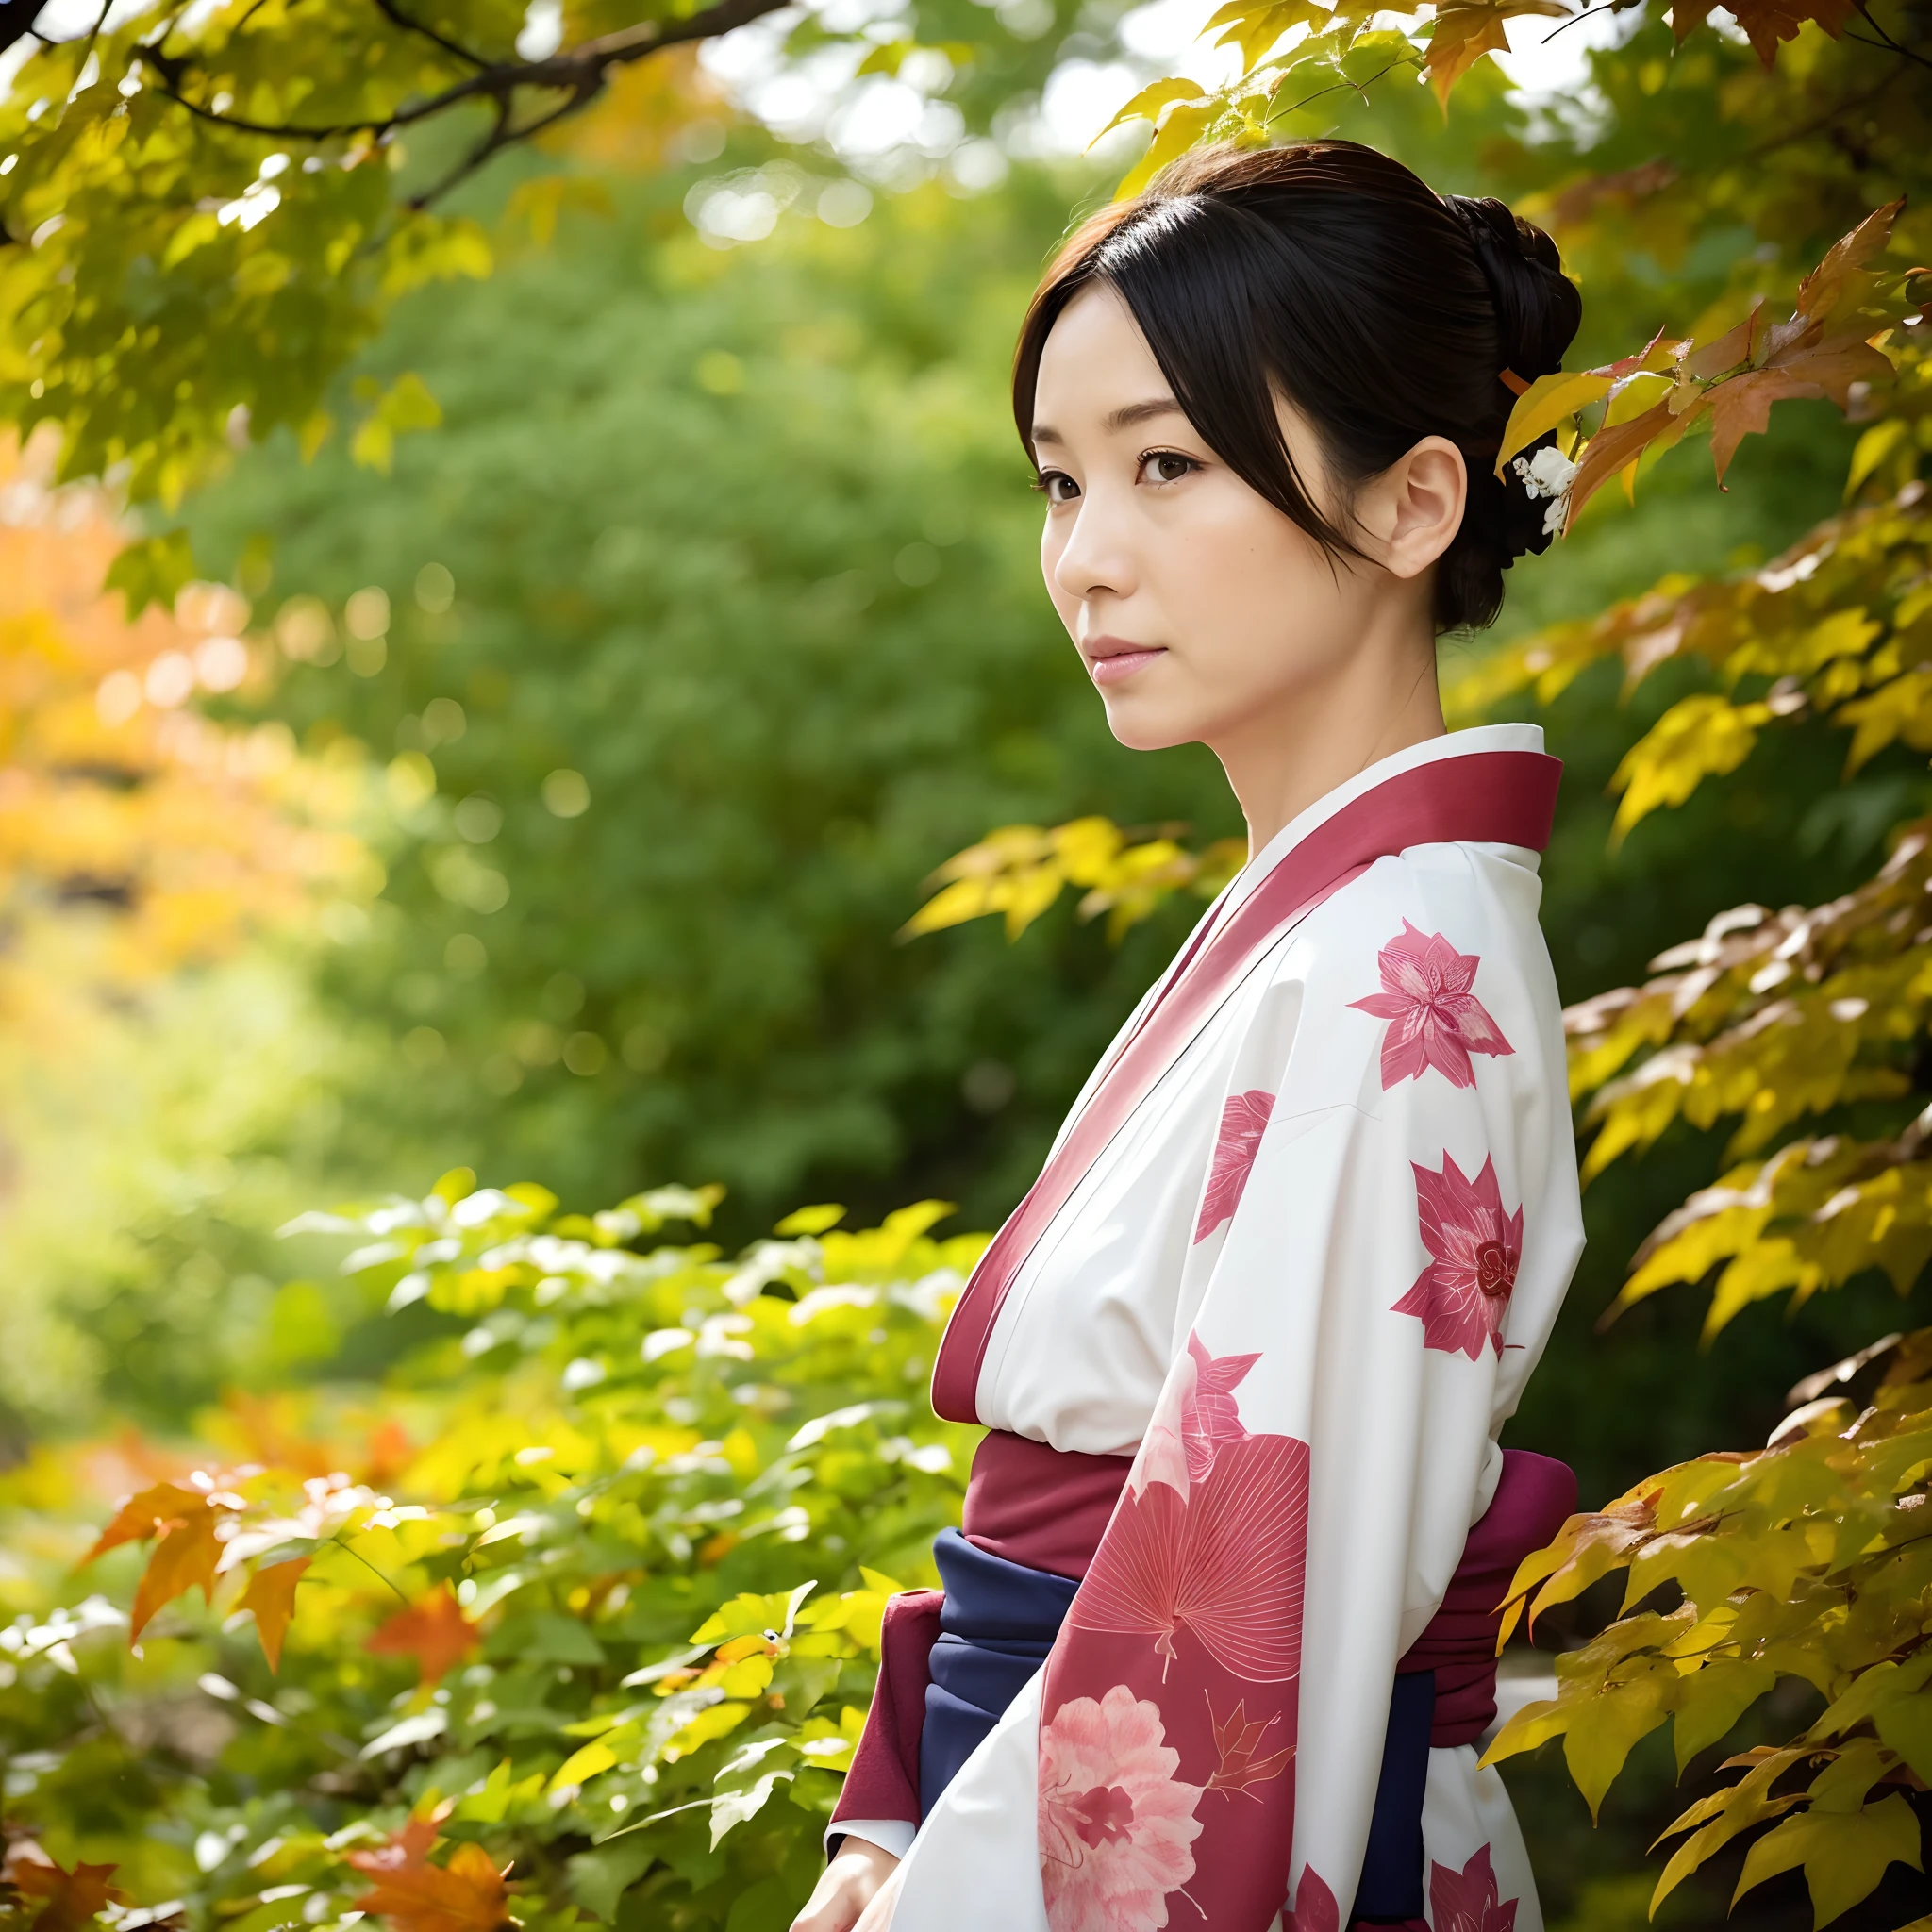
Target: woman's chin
(1144, 726)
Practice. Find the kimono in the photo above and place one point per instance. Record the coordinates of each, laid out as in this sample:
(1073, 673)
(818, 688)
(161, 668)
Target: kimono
(1218, 1630)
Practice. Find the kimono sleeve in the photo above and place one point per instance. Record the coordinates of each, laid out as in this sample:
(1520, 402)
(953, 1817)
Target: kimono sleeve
(1386, 1229)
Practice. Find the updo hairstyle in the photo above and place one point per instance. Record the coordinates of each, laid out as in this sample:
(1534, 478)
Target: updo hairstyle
(1331, 276)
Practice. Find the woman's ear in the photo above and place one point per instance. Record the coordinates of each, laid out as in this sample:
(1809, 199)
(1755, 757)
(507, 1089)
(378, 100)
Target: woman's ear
(1413, 510)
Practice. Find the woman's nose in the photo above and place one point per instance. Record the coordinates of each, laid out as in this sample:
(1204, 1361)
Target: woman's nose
(1097, 558)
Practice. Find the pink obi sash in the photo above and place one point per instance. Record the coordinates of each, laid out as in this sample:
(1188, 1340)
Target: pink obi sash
(1493, 797)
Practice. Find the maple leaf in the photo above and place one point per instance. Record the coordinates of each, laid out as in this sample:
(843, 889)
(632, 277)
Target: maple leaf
(1841, 281)
(1611, 451)
(141, 1516)
(1235, 1741)
(434, 1631)
(73, 1898)
(1468, 29)
(1742, 406)
(185, 1556)
(186, 1521)
(466, 1895)
(271, 1594)
(407, 1849)
(1768, 21)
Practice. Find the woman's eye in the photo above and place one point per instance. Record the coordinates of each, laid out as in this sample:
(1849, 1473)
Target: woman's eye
(1165, 466)
(1059, 486)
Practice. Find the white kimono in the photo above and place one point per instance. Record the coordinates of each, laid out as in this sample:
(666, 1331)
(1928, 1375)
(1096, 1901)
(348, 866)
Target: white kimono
(1299, 1261)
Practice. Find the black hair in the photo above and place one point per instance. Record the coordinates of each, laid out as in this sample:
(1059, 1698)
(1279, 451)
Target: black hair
(1329, 274)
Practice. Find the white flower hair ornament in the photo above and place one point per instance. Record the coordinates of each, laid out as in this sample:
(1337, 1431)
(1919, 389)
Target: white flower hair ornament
(1548, 473)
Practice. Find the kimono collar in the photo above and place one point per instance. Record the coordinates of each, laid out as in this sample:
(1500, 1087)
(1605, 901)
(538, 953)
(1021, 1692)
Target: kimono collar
(1490, 786)
(1534, 834)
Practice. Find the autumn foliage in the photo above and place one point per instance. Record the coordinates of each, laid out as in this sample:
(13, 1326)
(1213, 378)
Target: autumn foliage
(118, 792)
(606, 1622)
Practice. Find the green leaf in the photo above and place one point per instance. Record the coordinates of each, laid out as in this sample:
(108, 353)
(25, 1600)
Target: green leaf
(153, 571)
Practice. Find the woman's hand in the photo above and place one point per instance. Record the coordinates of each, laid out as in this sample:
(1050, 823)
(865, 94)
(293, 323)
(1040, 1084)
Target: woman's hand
(857, 1891)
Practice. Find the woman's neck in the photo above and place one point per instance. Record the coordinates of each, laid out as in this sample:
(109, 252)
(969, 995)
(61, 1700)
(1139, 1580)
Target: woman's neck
(1282, 761)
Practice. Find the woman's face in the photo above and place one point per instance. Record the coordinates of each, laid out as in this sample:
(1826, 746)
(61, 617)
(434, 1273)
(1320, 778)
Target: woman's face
(1200, 610)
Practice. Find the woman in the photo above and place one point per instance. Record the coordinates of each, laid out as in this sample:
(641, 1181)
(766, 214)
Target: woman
(1245, 1350)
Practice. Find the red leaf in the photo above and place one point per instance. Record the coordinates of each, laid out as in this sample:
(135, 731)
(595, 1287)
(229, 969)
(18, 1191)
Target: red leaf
(75, 1898)
(434, 1632)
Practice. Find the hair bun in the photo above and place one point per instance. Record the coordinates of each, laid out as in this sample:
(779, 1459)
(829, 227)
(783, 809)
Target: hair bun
(1538, 308)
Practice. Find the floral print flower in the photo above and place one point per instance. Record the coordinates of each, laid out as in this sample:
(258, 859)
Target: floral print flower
(1468, 1899)
(1116, 1826)
(1462, 1296)
(1435, 1021)
(1195, 1416)
(1244, 1120)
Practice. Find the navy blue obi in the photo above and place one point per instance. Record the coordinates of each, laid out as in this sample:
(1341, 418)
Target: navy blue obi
(999, 1622)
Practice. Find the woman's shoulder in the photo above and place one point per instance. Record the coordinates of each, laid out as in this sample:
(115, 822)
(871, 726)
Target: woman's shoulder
(1478, 902)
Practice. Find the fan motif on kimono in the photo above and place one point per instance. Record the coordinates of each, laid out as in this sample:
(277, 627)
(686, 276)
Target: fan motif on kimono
(1209, 1534)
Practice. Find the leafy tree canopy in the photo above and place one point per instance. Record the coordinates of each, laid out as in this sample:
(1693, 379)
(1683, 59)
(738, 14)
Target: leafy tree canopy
(205, 212)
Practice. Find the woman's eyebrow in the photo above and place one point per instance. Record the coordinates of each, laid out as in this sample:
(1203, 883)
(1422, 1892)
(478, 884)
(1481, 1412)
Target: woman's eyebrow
(1115, 420)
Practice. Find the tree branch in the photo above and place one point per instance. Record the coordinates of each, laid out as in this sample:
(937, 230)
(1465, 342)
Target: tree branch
(578, 72)
(394, 14)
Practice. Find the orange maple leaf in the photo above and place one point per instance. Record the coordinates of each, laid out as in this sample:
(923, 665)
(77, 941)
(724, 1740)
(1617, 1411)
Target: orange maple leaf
(187, 1523)
(141, 1516)
(271, 1594)
(73, 1898)
(1841, 281)
(1465, 30)
(468, 1894)
(185, 1556)
(434, 1631)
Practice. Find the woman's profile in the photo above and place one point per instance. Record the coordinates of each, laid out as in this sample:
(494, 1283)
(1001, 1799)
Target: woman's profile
(1216, 1635)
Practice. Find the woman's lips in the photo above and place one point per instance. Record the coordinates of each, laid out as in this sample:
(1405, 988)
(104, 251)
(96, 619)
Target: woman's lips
(1114, 663)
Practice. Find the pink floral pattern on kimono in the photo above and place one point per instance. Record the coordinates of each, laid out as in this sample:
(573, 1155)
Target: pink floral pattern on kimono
(1462, 1296)
(1116, 1826)
(1244, 1120)
(1468, 1899)
(1191, 1613)
(1194, 1418)
(1435, 1020)
(1210, 1533)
